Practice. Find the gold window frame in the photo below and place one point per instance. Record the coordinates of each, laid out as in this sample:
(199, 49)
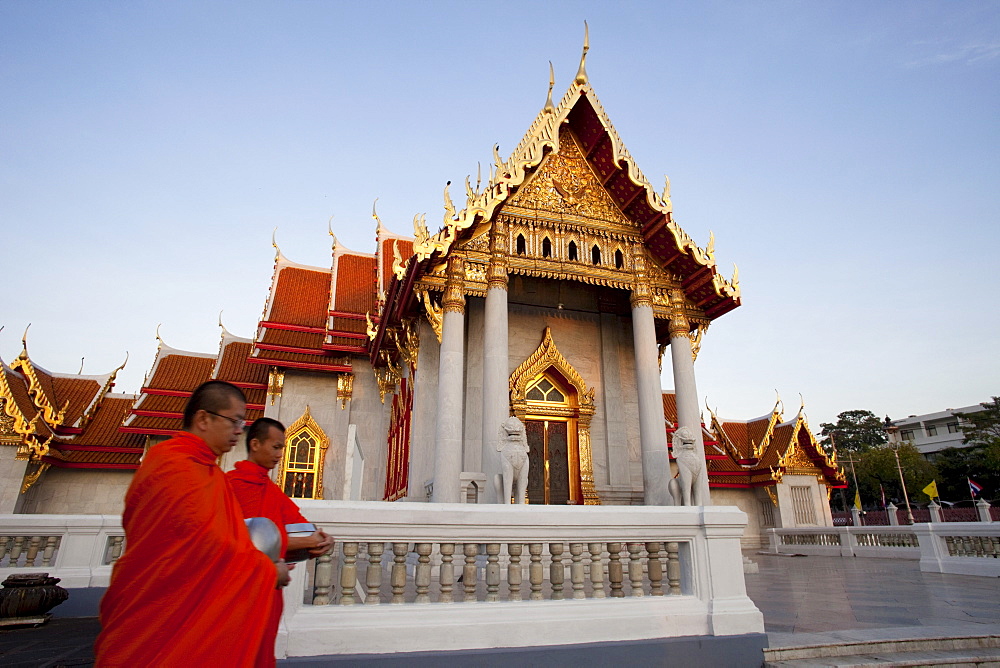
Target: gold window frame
(306, 425)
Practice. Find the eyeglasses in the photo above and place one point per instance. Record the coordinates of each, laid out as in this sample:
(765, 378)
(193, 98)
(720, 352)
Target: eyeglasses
(239, 423)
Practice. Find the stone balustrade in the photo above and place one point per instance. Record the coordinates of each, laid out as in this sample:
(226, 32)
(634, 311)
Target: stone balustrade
(425, 577)
(79, 549)
(965, 548)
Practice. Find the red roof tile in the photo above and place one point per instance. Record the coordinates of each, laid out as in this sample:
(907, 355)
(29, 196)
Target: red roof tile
(356, 280)
(301, 297)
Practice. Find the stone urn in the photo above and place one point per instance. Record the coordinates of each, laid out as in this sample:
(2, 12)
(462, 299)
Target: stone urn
(26, 598)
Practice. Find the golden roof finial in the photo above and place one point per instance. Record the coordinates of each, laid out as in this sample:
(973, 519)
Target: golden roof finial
(122, 365)
(378, 221)
(666, 194)
(802, 403)
(158, 337)
(80, 372)
(549, 107)
(778, 402)
(24, 339)
(329, 230)
(277, 251)
(581, 74)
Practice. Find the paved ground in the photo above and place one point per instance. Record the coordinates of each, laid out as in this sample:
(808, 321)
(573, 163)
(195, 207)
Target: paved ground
(802, 598)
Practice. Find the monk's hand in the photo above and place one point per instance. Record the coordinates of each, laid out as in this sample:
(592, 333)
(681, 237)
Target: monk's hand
(283, 572)
(322, 544)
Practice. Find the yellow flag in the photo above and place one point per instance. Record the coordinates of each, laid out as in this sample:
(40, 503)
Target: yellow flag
(931, 489)
(857, 499)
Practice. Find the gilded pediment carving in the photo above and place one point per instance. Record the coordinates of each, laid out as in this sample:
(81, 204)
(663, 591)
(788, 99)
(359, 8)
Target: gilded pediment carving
(798, 461)
(565, 183)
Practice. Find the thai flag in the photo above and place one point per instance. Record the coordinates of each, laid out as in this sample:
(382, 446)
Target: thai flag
(975, 487)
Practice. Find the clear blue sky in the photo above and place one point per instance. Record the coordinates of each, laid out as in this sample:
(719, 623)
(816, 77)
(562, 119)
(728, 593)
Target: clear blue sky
(846, 155)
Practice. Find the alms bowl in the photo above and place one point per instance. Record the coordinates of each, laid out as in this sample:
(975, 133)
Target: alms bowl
(265, 536)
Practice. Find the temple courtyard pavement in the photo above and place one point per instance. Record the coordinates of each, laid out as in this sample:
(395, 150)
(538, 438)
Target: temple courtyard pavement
(813, 600)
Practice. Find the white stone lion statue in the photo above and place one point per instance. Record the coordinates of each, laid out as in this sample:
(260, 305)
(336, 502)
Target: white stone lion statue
(512, 444)
(685, 487)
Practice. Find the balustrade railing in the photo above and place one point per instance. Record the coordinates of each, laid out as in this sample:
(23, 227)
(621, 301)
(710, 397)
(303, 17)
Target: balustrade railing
(426, 572)
(28, 551)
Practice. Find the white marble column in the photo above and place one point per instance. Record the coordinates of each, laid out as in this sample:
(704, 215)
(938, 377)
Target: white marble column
(685, 390)
(451, 372)
(496, 395)
(652, 430)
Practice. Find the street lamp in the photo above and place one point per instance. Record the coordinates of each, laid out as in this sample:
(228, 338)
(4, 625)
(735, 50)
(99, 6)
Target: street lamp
(894, 444)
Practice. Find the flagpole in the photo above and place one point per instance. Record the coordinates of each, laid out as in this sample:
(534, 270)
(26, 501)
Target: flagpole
(968, 481)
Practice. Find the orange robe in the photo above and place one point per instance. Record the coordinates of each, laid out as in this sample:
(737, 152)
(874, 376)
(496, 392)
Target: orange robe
(260, 497)
(191, 589)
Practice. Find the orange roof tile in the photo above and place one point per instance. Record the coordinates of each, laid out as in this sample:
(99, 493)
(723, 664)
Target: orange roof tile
(234, 368)
(301, 297)
(181, 371)
(103, 429)
(670, 407)
(356, 282)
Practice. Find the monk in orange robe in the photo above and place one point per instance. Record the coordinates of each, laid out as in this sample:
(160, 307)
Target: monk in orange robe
(260, 497)
(191, 588)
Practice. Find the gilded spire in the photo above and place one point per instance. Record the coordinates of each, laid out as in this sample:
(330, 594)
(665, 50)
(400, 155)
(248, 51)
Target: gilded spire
(24, 342)
(277, 251)
(550, 108)
(581, 74)
(378, 221)
(329, 229)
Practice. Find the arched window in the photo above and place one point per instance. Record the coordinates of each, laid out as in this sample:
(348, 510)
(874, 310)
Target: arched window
(572, 251)
(302, 466)
(619, 260)
(543, 390)
(595, 255)
(521, 245)
(546, 247)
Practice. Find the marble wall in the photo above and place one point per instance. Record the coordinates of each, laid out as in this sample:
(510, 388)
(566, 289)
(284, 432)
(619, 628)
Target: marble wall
(78, 491)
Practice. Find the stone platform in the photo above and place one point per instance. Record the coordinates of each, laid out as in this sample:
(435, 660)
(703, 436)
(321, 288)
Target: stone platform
(806, 601)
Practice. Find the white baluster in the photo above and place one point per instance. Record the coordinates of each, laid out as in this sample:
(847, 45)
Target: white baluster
(446, 576)
(673, 568)
(399, 551)
(422, 579)
(535, 572)
(469, 574)
(373, 578)
(576, 570)
(557, 572)
(514, 571)
(349, 574)
(615, 573)
(635, 568)
(596, 569)
(655, 568)
(323, 585)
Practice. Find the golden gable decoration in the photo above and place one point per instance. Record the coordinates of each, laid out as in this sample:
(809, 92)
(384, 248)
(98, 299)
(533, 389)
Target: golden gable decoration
(565, 184)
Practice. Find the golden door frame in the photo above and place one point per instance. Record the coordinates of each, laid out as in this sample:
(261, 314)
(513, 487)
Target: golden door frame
(578, 411)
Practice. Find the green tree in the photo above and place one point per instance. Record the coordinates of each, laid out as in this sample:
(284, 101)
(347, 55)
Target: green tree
(854, 431)
(877, 467)
(956, 465)
(982, 427)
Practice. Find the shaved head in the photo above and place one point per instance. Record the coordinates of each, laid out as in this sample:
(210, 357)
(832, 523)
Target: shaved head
(214, 396)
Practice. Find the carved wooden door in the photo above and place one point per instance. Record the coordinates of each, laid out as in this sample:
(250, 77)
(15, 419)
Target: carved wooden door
(548, 462)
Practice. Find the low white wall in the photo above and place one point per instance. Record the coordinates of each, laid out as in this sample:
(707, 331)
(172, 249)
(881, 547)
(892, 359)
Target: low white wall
(961, 548)
(713, 602)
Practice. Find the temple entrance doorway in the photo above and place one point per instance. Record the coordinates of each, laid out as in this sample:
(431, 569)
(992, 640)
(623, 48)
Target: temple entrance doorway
(553, 459)
(556, 406)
